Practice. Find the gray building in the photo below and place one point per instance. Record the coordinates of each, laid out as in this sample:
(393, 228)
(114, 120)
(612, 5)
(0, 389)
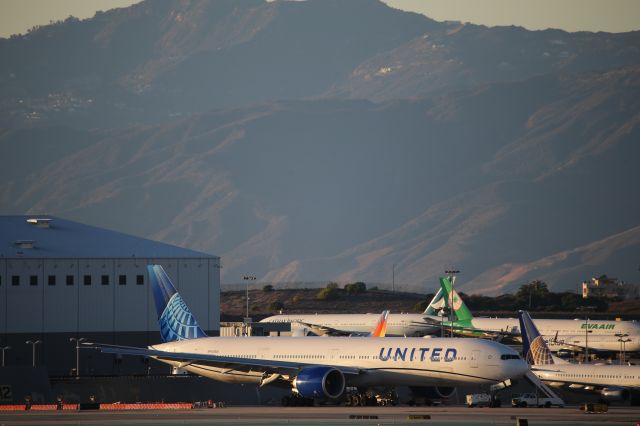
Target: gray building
(61, 279)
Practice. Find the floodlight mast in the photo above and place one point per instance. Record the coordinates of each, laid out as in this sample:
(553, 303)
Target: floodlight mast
(451, 275)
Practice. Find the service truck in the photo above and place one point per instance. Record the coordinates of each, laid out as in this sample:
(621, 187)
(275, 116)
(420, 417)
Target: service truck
(533, 400)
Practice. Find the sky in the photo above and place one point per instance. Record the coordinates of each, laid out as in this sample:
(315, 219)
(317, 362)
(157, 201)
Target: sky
(17, 16)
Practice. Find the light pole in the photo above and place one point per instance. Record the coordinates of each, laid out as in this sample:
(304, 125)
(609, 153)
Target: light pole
(4, 348)
(33, 344)
(622, 338)
(77, 341)
(586, 310)
(451, 274)
(393, 278)
(247, 279)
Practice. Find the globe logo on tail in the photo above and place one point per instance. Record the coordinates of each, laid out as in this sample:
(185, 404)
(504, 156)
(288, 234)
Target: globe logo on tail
(177, 322)
(539, 353)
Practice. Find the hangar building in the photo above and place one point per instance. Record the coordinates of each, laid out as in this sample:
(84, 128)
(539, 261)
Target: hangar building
(61, 279)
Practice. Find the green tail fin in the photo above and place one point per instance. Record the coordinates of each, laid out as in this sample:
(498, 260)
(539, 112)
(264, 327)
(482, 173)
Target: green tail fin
(463, 314)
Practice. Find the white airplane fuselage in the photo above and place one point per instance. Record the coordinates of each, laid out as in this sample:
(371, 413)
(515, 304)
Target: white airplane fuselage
(584, 375)
(388, 361)
(410, 325)
(561, 333)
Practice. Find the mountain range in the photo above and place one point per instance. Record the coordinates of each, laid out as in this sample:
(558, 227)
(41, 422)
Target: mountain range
(331, 140)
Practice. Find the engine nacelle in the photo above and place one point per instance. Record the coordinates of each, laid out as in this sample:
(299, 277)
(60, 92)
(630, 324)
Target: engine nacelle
(433, 392)
(615, 394)
(320, 382)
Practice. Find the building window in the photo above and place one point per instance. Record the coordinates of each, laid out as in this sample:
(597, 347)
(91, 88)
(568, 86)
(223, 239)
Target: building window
(69, 279)
(87, 280)
(15, 280)
(51, 280)
(33, 280)
(122, 279)
(104, 280)
(139, 279)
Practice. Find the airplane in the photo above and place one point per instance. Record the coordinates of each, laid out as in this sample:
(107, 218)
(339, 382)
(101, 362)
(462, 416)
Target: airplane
(404, 324)
(613, 382)
(319, 368)
(599, 335)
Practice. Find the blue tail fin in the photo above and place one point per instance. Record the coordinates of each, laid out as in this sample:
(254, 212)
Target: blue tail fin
(534, 348)
(175, 319)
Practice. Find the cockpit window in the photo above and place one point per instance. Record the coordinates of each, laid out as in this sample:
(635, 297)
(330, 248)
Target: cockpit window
(509, 356)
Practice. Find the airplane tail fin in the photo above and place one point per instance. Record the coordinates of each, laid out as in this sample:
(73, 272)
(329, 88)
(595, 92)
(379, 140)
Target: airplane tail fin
(453, 300)
(175, 319)
(534, 348)
(380, 329)
(436, 304)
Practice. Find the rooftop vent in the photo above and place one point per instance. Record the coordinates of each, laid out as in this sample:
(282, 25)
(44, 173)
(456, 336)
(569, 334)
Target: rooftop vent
(39, 222)
(24, 244)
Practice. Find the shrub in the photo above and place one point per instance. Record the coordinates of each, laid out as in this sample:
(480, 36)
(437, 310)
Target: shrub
(355, 288)
(328, 293)
(276, 306)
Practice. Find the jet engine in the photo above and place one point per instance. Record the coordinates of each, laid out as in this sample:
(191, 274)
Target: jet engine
(432, 392)
(615, 394)
(320, 382)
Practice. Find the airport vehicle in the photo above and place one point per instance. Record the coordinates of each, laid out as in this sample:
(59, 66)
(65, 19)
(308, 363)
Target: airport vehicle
(612, 382)
(481, 400)
(559, 333)
(319, 368)
(403, 324)
(533, 400)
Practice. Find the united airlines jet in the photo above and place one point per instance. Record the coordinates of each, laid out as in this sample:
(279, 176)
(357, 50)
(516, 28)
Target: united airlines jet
(599, 335)
(613, 382)
(319, 368)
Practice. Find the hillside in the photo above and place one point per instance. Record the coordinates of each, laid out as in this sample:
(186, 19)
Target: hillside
(245, 130)
(164, 58)
(305, 301)
(233, 303)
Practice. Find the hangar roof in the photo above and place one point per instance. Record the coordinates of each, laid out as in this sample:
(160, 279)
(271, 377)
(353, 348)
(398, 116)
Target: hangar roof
(44, 236)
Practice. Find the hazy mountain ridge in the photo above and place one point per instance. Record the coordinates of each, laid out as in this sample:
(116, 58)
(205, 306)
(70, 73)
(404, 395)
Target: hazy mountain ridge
(242, 184)
(161, 59)
(509, 175)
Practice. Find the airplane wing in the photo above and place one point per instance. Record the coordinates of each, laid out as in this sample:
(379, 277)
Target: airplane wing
(486, 334)
(323, 329)
(268, 366)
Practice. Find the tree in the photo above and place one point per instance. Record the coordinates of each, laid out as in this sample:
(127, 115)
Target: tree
(532, 294)
(267, 288)
(328, 293)
(355, 288)
(276, 306)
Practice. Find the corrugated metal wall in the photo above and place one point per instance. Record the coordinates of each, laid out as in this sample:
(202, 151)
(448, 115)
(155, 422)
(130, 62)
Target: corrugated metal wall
(102, 295)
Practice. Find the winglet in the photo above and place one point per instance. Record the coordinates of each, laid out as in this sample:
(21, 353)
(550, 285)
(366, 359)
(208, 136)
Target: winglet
(380, 329)
(534, 348)
(175, 319)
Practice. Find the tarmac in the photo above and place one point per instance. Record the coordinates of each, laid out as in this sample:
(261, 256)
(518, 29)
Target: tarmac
(247, 415)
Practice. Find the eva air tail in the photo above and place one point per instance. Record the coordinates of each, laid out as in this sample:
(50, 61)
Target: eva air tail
(453, 300)
(175, 319)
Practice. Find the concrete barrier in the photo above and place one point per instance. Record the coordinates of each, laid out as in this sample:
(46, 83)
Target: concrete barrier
(178, 406)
